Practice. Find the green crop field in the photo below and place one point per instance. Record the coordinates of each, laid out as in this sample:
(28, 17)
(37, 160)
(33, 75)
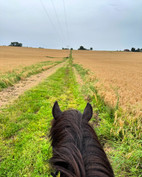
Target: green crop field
(25, 147)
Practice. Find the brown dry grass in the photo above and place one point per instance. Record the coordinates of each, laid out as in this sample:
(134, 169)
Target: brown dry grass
(16, 57)
(119, 73)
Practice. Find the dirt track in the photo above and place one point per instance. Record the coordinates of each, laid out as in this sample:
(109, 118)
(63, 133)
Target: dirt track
(9, 94)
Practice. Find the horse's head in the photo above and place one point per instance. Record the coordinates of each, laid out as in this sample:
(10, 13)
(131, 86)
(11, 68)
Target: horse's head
(76, 148)
(66, 139)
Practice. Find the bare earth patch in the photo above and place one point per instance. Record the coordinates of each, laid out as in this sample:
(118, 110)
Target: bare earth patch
(78, 78)
(10, 94)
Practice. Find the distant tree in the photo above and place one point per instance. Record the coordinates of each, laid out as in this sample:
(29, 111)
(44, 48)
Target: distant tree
(133, 49)
(16, 44)
(138, 50)
(65, 48)
(71, 48)
(82, 48)
(91, 48)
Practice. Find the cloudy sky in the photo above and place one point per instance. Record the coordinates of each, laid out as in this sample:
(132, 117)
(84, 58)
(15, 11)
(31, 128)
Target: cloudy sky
(103, 25)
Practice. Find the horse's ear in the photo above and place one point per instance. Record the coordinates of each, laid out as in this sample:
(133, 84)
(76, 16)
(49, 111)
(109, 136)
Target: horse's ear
(56, 112)
(88, 111)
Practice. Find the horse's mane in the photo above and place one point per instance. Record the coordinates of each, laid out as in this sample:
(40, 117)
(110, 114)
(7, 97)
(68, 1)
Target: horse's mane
(76, 149)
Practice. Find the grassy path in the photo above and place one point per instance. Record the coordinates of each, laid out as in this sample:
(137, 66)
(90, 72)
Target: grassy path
(24, 126)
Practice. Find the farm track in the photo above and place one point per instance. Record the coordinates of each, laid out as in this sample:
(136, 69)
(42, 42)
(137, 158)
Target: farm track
(10, 94)
(78, 78)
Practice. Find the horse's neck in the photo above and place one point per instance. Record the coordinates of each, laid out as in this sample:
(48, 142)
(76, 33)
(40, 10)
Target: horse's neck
(95, 160)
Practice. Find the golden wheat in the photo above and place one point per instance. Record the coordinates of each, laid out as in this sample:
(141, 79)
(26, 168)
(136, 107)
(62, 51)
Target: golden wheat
(119, 74)
(18, 57)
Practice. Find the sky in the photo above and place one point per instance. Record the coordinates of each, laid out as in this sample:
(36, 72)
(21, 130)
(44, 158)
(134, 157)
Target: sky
(56, 24)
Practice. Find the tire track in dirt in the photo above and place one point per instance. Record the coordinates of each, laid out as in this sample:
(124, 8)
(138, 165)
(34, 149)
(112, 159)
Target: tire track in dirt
(78, 78)
(10, 94)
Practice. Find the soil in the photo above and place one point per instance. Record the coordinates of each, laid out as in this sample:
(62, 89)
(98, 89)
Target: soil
(78, 78)
(10, 94)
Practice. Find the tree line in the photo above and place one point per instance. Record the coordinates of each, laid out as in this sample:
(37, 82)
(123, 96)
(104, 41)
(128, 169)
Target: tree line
(80, 48)
(16, 44)
(133, 50)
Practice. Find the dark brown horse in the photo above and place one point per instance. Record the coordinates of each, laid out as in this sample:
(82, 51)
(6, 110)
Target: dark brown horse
(76, 148)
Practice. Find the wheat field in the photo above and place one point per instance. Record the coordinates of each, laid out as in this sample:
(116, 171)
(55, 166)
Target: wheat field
(119, 75)
(16, 57)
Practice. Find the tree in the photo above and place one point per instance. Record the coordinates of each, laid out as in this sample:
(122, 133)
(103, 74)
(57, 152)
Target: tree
(138, 50)
(16, 44)
(81, 48)
(91, 48)
(65, 48)
(133, 49)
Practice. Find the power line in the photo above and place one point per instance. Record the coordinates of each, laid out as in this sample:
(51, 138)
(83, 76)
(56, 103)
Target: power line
(46, 12)
(58, 21)
(66, 24)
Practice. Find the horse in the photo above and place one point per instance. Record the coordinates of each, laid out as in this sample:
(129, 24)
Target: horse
(77, 151)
